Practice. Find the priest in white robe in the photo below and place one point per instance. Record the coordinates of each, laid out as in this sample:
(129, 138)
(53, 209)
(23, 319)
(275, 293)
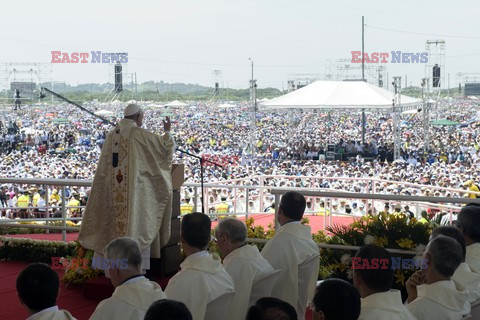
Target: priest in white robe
(132, 189)
(52, 313)
(133, 293)
(378, 300)
(291, 246)
(202, 278)
(243, 262)
(37, 289)
(463, 275)
(473, 257)
(431, 292)
(468, 222)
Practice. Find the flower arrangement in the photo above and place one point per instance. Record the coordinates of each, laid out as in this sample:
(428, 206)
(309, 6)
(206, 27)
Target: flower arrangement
(82, 273)
(384, 230)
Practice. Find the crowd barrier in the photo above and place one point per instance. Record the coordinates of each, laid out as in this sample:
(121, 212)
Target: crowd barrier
(256, 192)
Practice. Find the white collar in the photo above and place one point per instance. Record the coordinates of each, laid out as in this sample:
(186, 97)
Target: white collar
(199, 254)
(134, 280)
(47, 310)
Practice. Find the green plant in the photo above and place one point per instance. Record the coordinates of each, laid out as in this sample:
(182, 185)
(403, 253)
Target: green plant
(19, 249)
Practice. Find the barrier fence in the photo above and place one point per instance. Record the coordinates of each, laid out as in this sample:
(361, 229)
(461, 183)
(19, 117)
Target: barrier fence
(252, 193)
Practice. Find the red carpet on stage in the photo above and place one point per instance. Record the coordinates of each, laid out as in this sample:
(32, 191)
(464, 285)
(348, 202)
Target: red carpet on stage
(70, 298)
(45, 236)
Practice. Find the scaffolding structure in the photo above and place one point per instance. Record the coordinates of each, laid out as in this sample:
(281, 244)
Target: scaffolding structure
(345, 70)
(34, 72)
(217, 83)
(127, 78)
(300, 80)
(470, 77)
(436, 59)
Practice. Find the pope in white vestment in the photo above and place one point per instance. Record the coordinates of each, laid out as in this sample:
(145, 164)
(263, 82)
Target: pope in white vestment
(129, 301)
(132, 189)
(470, 280)
(245, 265)
(52, 313)
(384, 305)
(472, 258)
(291, 245)
(442, 300)
(201, 280)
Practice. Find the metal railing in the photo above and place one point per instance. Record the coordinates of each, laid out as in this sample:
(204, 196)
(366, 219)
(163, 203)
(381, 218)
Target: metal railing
(373, 185)
(339, 247)
(62, 183)
(252, 193)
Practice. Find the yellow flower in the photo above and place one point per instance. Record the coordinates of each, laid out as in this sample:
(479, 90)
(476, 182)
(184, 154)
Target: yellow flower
(405, 243)
(381, 242)
(399, 277)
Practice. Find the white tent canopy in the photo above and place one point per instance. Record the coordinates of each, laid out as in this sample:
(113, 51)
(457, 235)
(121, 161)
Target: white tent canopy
(104, 112)
(155, 105)
(176, 103)
(338, 95)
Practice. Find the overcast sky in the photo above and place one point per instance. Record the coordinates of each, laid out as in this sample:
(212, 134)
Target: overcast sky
(185, 40)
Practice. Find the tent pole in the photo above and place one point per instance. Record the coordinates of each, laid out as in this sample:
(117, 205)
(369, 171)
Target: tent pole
(364, 120)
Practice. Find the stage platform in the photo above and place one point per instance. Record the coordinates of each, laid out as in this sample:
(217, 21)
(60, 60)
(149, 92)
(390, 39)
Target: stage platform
(73, 298)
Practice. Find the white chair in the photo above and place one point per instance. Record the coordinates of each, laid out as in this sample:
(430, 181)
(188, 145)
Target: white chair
(263, 287)
(475, 312)
(218, 308)
(305, 270)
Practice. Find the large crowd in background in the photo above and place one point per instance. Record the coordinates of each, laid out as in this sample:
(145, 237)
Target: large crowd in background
(290, 147)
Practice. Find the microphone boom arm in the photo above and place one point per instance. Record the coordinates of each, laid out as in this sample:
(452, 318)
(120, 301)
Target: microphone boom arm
(77, 105)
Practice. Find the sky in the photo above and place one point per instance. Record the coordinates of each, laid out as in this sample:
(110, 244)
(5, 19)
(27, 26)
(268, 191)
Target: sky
(186, 40)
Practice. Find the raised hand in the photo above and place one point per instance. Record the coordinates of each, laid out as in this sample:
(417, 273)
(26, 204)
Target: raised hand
(167, 125)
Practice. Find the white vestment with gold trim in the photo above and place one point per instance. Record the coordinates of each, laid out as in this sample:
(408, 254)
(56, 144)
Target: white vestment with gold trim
(132, 190)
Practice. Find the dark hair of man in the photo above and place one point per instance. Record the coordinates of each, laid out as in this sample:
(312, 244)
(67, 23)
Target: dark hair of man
(271, 309)
(196, 229)
(293, 205)
(378, 280)
(37, 286)
(337, 299)
(469, 220)
(454, 233)
(166, 309)
(446, 254)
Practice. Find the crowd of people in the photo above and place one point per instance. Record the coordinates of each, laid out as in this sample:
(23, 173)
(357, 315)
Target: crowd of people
(278, 282)
(63, 142)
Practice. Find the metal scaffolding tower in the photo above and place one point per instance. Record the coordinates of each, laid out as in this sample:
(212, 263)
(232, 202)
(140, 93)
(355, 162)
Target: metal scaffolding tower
(344, 69)
(436, 63)
(35, 72)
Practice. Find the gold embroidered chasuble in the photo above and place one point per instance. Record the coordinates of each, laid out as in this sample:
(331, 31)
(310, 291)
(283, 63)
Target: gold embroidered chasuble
(132, 190)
